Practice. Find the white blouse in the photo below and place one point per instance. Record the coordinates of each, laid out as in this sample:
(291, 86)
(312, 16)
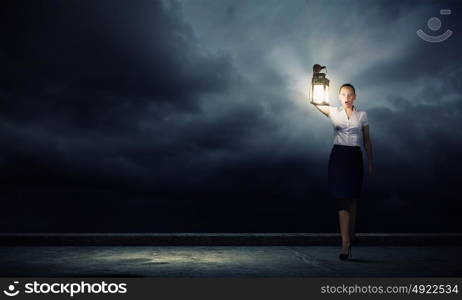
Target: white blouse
(347, 131)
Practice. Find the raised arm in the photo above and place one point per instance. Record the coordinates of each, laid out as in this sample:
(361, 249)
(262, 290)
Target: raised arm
(322, 108)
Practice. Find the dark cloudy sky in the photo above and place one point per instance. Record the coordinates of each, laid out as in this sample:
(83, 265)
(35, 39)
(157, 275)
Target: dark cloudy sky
(191, 115)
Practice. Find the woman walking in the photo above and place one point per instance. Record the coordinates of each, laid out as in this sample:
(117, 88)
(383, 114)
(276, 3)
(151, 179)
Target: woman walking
(345, 170)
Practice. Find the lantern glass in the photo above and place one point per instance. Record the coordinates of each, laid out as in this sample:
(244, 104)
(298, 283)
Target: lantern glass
(319, 89)
(318, 93)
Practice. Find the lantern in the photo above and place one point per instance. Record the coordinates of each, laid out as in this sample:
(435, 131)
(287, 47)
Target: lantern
(319, 89)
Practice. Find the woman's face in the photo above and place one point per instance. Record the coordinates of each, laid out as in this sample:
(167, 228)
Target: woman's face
(347, 96)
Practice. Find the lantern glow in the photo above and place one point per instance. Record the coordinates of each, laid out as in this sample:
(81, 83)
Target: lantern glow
(319, 92)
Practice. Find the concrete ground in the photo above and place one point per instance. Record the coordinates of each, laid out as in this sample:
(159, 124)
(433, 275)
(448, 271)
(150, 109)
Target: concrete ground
(229, 261)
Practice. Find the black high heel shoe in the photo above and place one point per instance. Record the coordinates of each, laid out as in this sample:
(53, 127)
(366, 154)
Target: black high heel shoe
(343, 256)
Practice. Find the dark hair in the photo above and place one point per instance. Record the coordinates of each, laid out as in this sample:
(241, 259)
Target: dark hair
(347, 85)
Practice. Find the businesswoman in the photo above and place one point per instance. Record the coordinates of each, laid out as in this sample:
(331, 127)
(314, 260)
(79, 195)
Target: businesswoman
(346, 169)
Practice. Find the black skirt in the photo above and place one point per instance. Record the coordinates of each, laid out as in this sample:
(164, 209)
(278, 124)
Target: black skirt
(345, 175)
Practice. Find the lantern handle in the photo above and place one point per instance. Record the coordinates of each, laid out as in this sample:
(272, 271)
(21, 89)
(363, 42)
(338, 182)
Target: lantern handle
(317, 68)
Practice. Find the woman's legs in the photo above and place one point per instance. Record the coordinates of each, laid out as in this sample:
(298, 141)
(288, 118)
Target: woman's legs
(344, 220)
(352, 218)
(347, 220)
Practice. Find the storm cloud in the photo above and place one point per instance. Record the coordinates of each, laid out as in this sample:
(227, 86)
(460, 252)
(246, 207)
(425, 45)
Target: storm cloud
(192, 115)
